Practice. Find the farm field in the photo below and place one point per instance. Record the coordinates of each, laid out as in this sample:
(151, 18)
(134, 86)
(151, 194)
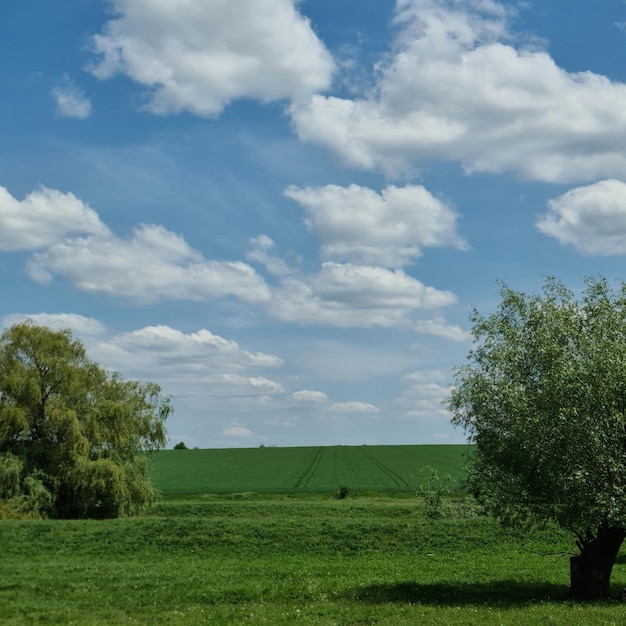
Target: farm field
(304, 470)
(284, 560)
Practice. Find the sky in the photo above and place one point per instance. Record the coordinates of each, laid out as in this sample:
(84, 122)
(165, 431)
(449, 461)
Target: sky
(284, 212)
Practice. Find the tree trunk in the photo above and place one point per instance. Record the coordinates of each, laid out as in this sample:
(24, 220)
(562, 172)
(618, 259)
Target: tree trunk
(590, 572)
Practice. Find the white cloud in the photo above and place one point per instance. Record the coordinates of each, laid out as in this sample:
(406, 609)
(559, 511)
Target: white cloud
(269, 386)
(197, 56)
(45, 217)
(79, 324)
(438, 327)
(352, 407)
(237, 431)
(202, 352)
(261, 253)
(424, 392)
(455, 88)
(153, 264)
(71, 100)
(346, 296)
(591, 218)
(359, 225)
(310, 397)
(208, 375)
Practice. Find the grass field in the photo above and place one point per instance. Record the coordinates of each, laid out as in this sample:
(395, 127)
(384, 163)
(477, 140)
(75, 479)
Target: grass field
(259, 555)
(288, 560)
(304, 470)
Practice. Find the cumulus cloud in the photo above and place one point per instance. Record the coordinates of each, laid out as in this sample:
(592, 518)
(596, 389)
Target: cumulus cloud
(458, 86)
(162, 351)
(237, 431)
(197, 56)
(591, 218)
(202, 352)
(438, 327)
(206, 373)
(261, 252)
(152, 264)
(43, 218)
(71, 100)
(307, 396)
(79, 324)
(352, 407)
(347, 295)
(424, 392)
(359, 225)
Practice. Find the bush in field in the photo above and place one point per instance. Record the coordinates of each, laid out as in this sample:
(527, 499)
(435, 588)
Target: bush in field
(433, 492)
(72, 436)
(181, 446)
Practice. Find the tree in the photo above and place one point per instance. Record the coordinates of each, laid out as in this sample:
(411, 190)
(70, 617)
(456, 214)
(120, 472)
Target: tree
(73, 437)
(543, 398)
(181, 445)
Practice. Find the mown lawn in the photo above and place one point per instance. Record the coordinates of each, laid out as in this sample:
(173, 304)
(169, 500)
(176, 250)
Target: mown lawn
(286, 560)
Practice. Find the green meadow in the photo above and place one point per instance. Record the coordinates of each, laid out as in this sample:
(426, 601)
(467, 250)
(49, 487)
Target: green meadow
(281, 548)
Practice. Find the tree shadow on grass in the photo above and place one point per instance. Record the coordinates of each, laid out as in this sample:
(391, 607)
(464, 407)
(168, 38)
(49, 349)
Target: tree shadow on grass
(498, 593)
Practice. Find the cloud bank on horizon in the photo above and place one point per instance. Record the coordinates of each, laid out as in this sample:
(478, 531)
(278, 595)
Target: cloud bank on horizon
(283, 211)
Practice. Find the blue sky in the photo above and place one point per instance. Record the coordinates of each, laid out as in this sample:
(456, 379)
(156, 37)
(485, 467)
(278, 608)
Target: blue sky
(283, 212)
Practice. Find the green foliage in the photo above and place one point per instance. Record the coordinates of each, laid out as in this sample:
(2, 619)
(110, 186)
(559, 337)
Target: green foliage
(304, 470)
(433, 492)
(544, 400)
(181, 446)
(10, 472)
(72, 436)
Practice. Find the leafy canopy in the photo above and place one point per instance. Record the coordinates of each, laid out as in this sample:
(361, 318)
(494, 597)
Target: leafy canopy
(543, 397)
(72, 435)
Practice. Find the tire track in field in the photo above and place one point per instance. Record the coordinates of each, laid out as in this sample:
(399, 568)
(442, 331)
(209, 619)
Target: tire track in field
(303, 481)
(395, 477)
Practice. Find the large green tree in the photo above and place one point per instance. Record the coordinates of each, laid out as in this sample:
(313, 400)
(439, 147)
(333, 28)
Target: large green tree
(543, 397)
(73, 436)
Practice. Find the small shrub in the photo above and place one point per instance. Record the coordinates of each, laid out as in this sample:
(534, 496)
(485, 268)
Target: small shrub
(343, 492)
(433, 493)
(181, 446)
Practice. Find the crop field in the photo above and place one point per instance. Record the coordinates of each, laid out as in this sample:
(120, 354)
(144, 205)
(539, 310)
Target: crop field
(305, 470)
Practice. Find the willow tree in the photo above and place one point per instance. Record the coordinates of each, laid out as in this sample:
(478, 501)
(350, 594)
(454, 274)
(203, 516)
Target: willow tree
(73, 436)
(543, 397)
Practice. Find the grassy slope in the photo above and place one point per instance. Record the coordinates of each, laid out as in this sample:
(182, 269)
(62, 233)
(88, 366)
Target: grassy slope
(283, 560)
(303, 470)
(303, 557)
